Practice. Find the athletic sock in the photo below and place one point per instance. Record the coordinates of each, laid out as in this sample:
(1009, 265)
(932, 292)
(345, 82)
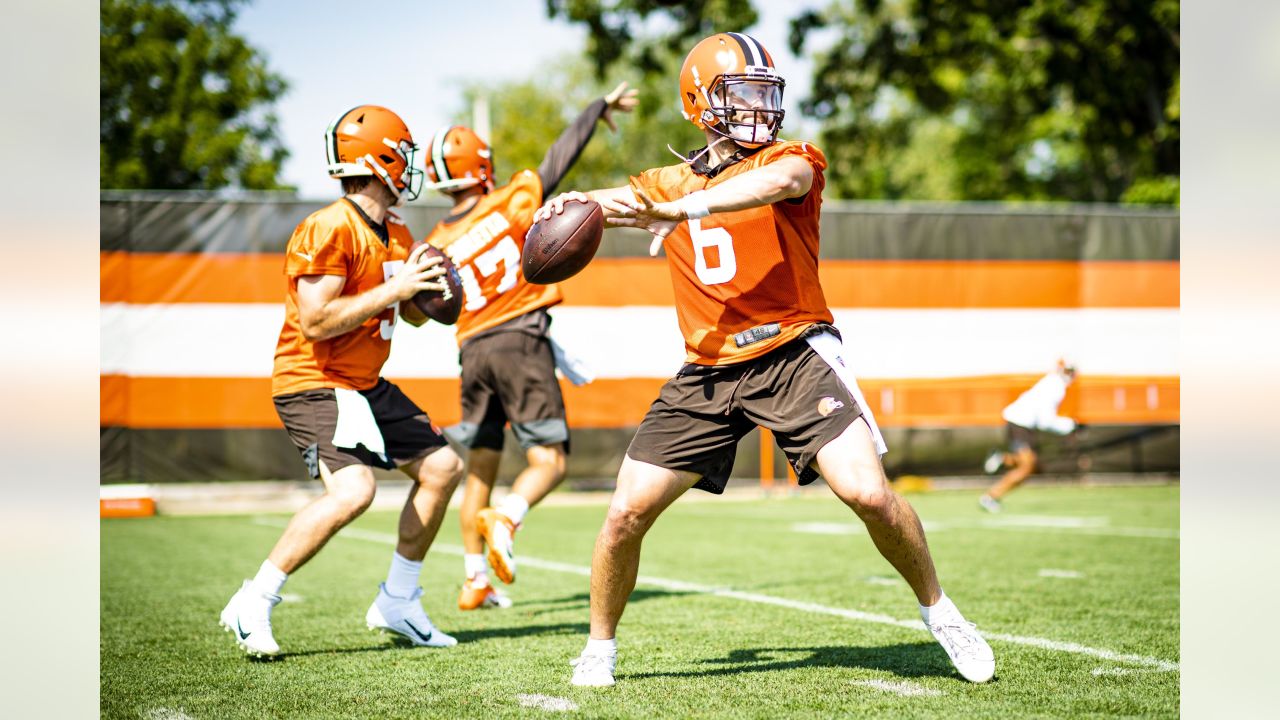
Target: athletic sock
(270, 579)
(601, 647)
(402, 578)
(514, 507)
(944, 608)
(475, 566)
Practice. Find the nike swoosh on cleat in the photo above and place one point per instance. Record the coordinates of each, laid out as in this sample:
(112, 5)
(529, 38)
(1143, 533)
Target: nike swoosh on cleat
(416, 631)
(240, 630)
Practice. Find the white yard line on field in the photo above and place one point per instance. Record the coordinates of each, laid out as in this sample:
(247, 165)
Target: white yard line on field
(1064, 574)
(1021, 523)
(688, 587)
(905, 689)
(546, 702)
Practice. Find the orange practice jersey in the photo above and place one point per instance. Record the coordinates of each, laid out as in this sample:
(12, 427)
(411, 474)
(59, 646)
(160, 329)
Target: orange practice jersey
(337, 241)
(740, 270)
(486, 245)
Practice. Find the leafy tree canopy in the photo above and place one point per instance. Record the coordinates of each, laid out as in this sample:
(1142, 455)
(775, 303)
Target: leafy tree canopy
(528, 115)
(1026, 99)
(185, 103)
(646, 32)
(957, 99)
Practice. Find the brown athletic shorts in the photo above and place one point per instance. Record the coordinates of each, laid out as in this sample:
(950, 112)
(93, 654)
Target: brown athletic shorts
(1021, 437)
(702, 413)
(510, 377)
(311, 417)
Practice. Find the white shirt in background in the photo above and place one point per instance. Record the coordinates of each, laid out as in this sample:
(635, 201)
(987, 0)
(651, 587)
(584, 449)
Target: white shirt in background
(1037, 408)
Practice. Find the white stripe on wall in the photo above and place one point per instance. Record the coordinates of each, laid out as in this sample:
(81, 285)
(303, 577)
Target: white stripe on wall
(238, 340)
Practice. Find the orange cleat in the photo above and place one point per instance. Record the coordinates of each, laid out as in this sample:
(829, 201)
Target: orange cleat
(499, 535)
(475, 597)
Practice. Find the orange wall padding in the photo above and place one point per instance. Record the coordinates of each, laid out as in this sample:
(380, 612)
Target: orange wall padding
(615, 282)
(158, 402)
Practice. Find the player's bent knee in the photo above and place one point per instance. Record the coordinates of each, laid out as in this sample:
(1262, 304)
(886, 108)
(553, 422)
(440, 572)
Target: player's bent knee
(353, 498)
(626, 521)
(866, 492)
(549, 458)
(442, 467)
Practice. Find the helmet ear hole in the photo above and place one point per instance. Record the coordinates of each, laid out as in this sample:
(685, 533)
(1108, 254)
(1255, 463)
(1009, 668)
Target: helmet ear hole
(386, 159)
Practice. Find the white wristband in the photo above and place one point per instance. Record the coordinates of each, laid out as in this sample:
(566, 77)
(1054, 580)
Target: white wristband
(695, 208)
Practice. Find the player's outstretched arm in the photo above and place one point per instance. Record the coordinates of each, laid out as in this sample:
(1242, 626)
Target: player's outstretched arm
(564, 152)
(324, 313)
(783, 179)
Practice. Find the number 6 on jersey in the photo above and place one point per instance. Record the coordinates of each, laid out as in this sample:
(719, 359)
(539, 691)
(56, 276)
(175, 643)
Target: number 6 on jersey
(722, 241)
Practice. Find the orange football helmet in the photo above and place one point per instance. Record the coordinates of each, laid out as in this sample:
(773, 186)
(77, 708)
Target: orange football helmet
(459, 159)
(729, 85)
(372, 140)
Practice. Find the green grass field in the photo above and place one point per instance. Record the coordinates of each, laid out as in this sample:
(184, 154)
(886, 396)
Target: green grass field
(762, 608)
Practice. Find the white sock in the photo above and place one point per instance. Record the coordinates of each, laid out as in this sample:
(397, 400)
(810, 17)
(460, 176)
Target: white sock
(270, 579)
(402, 578)
(941, 609)
(514, 507)
(601, 647)
(475, 566)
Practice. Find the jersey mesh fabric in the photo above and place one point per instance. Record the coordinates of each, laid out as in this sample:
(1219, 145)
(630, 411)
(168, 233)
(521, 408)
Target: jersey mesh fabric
(336, 240)
(765, 270)
(486, 246)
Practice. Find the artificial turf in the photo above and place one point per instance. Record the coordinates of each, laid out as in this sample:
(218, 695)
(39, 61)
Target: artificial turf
(1086, 570)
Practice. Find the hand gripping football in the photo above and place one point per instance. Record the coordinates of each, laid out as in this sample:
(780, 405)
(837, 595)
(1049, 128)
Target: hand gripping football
(558, 247)
(443, 307)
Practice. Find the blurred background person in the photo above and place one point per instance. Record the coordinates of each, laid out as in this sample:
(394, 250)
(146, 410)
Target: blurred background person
(1035, 411)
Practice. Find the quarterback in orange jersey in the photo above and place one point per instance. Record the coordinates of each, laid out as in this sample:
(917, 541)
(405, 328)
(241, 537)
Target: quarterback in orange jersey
(350, 272)
(508, 361)
(739, 221)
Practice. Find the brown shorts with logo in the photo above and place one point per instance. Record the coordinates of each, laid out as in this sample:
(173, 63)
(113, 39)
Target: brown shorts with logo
(702, 413)
(311, 417)
(510, 377)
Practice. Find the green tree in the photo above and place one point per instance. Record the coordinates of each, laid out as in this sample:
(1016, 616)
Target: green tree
(527, 118)
(647, 32)
(185, 103)
(998, 99)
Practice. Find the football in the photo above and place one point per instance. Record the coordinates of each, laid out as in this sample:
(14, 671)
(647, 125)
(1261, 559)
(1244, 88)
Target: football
(558, 247)
(443, 307)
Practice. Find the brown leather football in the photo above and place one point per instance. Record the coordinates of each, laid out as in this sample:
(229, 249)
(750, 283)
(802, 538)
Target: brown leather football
(443, 307)
(559, 247)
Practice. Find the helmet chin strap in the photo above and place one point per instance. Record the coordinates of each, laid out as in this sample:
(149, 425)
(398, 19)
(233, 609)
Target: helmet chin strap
(699, 156)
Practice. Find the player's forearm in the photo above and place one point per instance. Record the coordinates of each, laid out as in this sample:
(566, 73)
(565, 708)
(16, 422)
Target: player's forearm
(564, 152)
(759, 187)
(341, 315)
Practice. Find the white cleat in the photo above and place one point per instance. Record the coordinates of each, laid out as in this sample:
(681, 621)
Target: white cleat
(593, 670)
(990, 504)
(248, 618)
(993, 463)
(406, 618)
(969, 653)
